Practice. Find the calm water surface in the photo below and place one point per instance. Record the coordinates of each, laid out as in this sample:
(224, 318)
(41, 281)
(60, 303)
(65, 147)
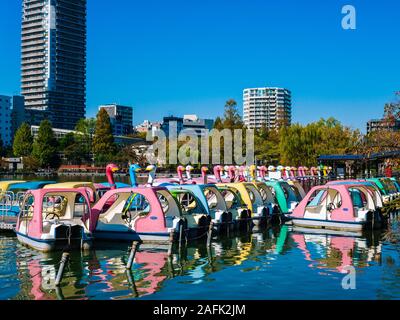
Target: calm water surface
(277, 263)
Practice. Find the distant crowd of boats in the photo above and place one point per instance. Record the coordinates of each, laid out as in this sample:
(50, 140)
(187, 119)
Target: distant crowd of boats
(46, 215)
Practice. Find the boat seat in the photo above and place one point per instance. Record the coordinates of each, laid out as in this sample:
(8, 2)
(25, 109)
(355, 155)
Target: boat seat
(116, 218)
(315, 210)
(58, 209)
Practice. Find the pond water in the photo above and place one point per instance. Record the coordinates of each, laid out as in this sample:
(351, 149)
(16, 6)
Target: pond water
(276, 263)
(279, 263)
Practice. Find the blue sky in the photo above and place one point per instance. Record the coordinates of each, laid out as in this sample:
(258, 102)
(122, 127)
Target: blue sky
(185, 56)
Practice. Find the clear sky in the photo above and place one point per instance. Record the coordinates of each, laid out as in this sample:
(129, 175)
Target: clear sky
(186, 56)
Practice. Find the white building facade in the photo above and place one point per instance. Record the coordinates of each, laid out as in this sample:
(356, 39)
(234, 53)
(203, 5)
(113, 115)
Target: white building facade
(268, 106)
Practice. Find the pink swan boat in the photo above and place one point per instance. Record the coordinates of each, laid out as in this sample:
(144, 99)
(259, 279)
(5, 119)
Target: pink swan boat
(337, 207)
(53, 219)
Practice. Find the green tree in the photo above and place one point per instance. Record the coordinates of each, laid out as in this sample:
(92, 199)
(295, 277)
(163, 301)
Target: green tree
(232, 119)
(23, 141)
(85, 129)
(301, 145)
(45, 146)
(103, 141)
(72, 149)
(66, 141)
(266, 146)
(218, 123)
(31, 163)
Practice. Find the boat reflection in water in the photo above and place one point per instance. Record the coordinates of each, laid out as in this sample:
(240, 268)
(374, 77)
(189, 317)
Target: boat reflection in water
(87, 277)
(101, 274)
(336, 251)
(265, 256)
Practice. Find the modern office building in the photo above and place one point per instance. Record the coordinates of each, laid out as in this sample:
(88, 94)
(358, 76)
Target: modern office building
(5, 120)
(190, 121)
(193, 122)
(171, 124)
(53, 60)
(18, 115)
(382, 124)
(121, 118)
(270, 107)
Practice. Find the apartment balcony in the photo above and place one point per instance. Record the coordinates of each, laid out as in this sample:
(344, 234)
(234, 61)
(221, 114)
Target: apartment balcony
(32, 49)
(33, 55)
(26, 25)
(39, 105)
(34, 29)
(30, 12)
(31, 73)
(30, 86)
(35, 99)
(32, 79)
(38, 66)
(32, 61)
(33, 44)
(33, 5)
(37, 18)
(34, 36)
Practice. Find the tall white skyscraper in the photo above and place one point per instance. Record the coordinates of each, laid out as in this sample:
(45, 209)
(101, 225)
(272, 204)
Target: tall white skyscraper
(267, 106)
(53, 59)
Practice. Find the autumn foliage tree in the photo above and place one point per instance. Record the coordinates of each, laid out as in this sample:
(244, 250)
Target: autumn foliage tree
(386, 137)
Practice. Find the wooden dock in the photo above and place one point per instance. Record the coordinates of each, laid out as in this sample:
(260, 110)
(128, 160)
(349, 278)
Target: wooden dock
(7, 223)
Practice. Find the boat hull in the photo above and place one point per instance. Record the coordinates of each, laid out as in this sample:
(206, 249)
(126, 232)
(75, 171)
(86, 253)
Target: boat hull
(329, 224)
(132, 236)
(53, 244)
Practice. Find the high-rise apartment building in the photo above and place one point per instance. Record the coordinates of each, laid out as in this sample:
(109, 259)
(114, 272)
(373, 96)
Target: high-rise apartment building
(270, 107)
(121, 118)
(53, 59)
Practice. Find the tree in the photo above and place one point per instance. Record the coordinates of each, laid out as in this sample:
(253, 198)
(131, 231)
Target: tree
(386, 138)
(45, 146)
(31, 163)
(392, 110)
(232, 119)
(266, 146)
(301, 145)
(103, 142)
(66, 141)
(218, 123)
(23, 141)
(71, 148)
(131, 154)
(85, 129)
